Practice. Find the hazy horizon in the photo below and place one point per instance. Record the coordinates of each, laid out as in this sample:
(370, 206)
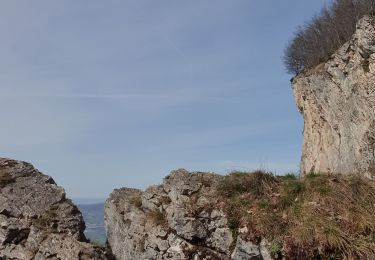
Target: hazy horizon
(119, 93)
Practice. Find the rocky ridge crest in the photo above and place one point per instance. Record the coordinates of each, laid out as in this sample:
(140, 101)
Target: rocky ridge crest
(179, 219)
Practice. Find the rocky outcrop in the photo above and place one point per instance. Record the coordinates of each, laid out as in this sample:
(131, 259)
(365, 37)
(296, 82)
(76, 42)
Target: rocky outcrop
(180, 219)
(37, 221)
(337, 100)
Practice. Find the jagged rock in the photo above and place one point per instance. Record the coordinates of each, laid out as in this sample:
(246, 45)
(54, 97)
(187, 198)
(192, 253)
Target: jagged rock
(337, 100)
(37, 221)
(246, 250)
(180, 219)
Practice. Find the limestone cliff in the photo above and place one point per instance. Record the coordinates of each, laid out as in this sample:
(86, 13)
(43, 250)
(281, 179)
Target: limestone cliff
(180, 219)
(37, 221)
(337, 100)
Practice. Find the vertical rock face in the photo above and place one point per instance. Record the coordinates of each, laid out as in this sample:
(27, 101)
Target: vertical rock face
(179, 219)
(337, 100)
(37, 221)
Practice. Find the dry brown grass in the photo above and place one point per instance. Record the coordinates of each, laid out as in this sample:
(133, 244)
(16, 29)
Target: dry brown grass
(48, 219)
(5, 178)
(136, 201)
(157, 217)
(316, 217)
(165, 200)
(256, 183)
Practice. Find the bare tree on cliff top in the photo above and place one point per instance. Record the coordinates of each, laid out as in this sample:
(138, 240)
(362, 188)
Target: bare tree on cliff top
(319, 38)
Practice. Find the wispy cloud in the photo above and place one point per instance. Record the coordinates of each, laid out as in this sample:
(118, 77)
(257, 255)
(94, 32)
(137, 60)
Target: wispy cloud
(111, 91)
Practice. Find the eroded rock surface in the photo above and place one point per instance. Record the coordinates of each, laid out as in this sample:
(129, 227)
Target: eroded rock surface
(37, 221)
(180, 219)
(337, 100)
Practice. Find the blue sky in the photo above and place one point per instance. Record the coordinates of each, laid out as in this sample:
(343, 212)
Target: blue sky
(106, 94)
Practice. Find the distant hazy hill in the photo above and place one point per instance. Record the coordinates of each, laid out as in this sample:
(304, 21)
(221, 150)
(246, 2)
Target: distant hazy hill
(93, 215)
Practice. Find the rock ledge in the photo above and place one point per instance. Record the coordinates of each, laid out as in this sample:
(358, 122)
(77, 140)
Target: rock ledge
(175, 220)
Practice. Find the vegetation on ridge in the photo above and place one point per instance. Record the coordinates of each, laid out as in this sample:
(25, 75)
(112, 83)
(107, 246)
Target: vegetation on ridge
(319, 38)
(5, 178)
(316, 217)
